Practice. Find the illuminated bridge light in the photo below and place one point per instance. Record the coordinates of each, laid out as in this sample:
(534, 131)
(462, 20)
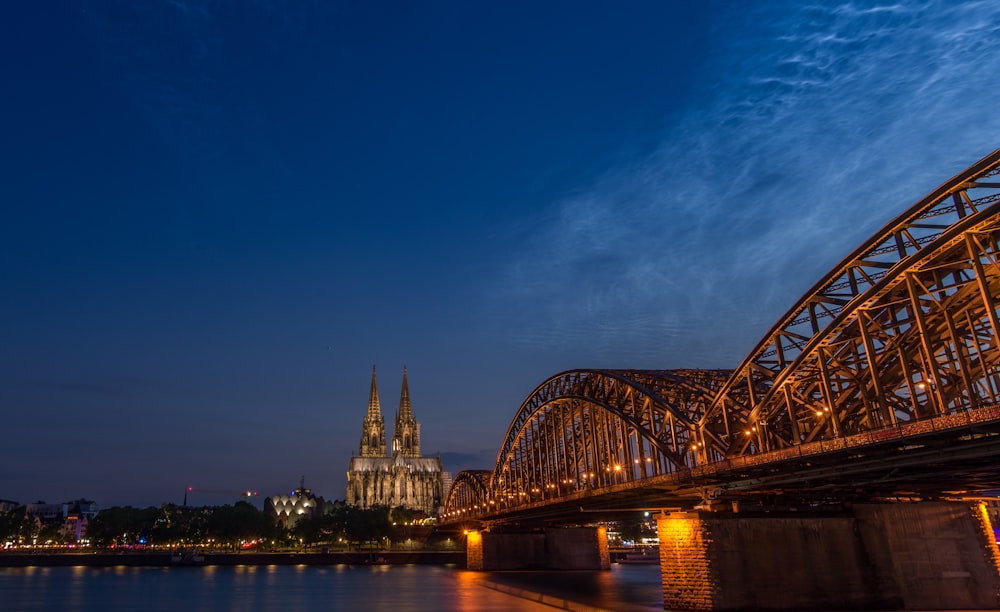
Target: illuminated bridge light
(792, 393)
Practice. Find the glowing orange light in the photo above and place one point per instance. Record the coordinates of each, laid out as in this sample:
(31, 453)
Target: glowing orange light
(475, 538)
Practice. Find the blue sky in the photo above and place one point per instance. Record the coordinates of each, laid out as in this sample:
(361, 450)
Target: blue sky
(218, 215)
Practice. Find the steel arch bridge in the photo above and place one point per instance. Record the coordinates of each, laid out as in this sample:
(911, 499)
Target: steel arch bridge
(892, 350)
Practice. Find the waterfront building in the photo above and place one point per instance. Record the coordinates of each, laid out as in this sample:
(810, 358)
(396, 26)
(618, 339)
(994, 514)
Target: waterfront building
(8, 506)
(78, 515)
(48, 513)
(43, 512)
(397, 476)
(73, 516)
(297, 505)
(81, 507)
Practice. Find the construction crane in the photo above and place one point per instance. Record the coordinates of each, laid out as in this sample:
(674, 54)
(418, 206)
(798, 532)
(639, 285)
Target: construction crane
(247, 493)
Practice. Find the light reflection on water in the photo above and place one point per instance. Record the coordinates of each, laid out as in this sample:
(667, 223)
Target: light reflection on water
(311, 588)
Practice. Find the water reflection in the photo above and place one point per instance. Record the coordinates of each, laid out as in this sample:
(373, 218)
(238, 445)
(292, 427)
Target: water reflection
(301, 588)
(624, 588)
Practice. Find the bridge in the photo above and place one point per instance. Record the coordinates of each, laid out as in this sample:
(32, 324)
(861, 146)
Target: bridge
(879, 385)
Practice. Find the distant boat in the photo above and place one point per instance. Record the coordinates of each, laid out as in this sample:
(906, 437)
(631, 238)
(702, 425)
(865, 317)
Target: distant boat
(648, 556)
(187, 557)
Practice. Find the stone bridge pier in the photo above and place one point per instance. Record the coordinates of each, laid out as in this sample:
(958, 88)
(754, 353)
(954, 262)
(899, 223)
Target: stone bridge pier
(913, 556)
(550, 548)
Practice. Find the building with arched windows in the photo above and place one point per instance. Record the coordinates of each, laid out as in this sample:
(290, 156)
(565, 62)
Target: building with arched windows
(299, 504)
(397, 475)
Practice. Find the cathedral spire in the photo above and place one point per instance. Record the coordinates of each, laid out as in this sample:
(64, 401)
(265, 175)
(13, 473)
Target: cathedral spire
(406, 432)
(373, 426)
(405, 407)
(374, 408)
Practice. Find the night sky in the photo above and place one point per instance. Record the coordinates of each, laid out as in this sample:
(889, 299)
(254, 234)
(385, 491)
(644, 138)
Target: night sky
(217, 216)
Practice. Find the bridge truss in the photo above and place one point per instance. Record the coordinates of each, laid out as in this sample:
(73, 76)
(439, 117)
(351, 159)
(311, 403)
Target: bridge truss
(900, 336)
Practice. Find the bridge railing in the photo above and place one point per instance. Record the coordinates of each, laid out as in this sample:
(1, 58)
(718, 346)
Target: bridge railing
(903, 430)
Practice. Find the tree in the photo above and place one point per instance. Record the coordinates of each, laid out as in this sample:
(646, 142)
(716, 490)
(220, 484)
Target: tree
(171, 524)
(51, 533)
(312, 530)
(16, 526)
(401, 515)
(123, 526)
(240, 522)
(367, 524)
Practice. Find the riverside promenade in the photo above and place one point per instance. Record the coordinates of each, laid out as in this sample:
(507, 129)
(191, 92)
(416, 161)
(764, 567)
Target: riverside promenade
(164, 558)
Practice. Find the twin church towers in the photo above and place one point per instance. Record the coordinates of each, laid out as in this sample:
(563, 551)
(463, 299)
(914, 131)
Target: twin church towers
(399, 477)
(405, 433)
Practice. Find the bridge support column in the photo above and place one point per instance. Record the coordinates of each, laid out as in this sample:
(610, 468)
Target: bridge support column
(474, 551)
(929, 555)
(552, 548)
(577, 548)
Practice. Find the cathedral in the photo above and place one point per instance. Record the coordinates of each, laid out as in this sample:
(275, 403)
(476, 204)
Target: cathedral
(400, 477)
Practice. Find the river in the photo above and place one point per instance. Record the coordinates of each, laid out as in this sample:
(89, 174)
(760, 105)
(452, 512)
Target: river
(304, 588)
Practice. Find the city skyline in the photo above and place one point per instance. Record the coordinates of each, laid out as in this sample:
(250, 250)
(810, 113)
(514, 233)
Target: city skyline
(217, 218)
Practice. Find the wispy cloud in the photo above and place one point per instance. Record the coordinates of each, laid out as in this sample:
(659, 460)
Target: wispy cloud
(813, 129)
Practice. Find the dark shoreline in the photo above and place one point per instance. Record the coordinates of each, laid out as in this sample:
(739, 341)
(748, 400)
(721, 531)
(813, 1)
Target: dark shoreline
(163, 559)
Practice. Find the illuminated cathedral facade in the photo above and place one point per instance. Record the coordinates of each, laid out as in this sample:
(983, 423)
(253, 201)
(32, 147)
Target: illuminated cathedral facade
(395, 475)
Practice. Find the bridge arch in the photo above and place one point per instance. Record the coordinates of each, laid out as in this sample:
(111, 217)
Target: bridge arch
(904, 328)
(903, 334)
(469, 491)
(587, 429)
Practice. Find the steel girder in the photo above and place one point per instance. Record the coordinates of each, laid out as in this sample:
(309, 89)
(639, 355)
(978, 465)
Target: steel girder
(469, 490)
(901, 332)
(903, 329)
(588, 429)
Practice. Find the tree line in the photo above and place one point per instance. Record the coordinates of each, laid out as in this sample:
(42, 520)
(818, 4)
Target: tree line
(16, 526)
(235, 526)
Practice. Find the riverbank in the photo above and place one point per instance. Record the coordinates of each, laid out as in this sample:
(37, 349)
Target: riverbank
(163, 559)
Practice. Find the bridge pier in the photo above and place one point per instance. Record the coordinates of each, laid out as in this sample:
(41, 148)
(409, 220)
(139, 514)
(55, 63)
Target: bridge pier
(914, 556)
(551, 548)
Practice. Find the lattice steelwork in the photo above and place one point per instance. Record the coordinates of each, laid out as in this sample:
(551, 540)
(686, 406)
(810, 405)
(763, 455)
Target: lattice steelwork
(595, 428)
(902, 331)
(470, 491)
(589, 429)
